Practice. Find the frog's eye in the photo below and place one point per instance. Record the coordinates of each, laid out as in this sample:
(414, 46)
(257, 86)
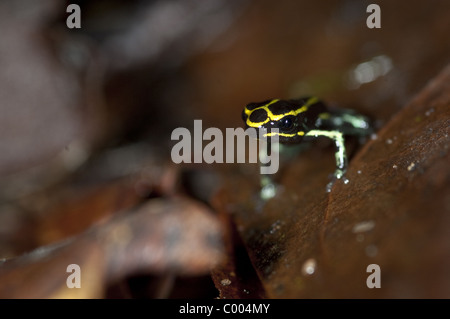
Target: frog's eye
(286, 123)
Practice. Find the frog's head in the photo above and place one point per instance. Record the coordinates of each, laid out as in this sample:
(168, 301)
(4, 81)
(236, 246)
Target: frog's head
(284, 115)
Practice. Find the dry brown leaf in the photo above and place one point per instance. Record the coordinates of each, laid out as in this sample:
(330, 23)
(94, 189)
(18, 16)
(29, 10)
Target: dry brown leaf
(175, 236)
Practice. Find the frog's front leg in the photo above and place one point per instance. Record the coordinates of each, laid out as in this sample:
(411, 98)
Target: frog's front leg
(340, 155)
(267, 184)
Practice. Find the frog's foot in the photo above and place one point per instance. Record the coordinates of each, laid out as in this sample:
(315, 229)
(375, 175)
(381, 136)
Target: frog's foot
(268, 191)
(268, 188)
(338, 174)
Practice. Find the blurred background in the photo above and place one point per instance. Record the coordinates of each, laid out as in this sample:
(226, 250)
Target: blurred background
(86, 114)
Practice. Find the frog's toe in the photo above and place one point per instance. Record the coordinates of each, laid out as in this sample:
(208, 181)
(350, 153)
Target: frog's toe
(268, 191)
(338, 175)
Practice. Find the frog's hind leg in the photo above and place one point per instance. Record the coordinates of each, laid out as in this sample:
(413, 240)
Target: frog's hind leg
(346, 121)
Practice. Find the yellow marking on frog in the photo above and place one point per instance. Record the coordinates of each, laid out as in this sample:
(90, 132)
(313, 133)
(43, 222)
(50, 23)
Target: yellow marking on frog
(301, 133)
(273, 117)
(324, 116)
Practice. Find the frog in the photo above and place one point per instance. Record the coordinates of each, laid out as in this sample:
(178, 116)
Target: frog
(301, 120)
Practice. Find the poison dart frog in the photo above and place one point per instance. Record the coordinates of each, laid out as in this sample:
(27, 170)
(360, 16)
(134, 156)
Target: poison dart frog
(303, 119)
